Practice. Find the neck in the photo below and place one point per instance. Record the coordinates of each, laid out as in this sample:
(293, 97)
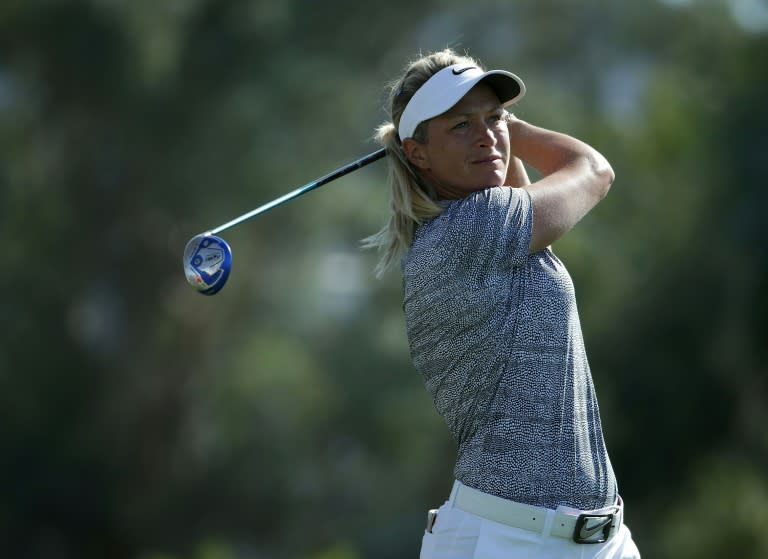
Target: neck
(442, 191)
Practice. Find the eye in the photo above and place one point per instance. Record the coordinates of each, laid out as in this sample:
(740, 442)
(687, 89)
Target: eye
(460, 125)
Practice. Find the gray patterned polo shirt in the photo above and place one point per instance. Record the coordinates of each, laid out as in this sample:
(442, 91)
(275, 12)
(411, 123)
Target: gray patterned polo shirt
(495, 333)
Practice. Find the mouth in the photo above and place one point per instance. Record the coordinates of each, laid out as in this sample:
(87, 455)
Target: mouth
(490, 160)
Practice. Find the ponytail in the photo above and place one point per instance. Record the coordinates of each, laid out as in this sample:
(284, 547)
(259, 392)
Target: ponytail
(411, 202)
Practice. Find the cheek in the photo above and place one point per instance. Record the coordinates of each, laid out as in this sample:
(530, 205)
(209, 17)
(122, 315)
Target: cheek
(447, 157)
(503, 140)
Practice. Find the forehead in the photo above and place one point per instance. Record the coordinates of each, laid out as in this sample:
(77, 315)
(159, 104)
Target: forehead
(480, 98)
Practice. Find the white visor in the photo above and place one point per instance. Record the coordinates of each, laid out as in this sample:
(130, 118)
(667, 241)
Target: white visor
(446, 88)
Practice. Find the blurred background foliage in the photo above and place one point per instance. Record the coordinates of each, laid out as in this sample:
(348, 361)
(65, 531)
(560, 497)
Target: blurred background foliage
(282, 418)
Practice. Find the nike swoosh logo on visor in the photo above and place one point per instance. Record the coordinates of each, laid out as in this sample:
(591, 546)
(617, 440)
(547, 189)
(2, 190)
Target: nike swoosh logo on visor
(457, 72)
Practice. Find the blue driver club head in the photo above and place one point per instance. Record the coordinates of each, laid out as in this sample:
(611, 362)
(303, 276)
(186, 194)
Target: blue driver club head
(207, 261)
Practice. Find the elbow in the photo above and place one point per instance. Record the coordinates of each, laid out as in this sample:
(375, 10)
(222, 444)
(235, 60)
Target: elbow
(602, 173)
(607, 178)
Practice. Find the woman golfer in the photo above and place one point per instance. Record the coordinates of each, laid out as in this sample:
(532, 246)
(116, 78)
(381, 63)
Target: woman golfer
(491, 314)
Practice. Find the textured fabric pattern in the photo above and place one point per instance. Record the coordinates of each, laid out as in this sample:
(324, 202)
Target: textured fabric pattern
(495, 333)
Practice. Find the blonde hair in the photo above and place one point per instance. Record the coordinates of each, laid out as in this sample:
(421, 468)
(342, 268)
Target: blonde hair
(412, 200)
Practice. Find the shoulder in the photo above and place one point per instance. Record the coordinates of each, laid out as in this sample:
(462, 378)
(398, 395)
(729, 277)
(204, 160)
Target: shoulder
(486, 225)
(497, 200)
(491, 210)
(488, 200)
(474, 214)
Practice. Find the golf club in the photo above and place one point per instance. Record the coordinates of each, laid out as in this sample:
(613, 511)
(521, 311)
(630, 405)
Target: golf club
(208, 258)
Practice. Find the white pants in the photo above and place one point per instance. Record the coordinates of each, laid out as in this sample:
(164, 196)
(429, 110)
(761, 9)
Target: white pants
(457, 534)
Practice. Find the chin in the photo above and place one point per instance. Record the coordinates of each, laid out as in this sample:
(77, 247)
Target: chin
(494, 180)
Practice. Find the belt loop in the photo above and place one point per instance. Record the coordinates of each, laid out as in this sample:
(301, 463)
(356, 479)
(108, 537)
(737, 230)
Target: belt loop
(549, 519)
(454, 491)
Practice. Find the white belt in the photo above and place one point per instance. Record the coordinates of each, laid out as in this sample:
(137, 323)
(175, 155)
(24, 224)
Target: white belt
(587, 527)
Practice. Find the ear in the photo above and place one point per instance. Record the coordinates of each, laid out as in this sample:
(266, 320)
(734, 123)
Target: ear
(416, 153)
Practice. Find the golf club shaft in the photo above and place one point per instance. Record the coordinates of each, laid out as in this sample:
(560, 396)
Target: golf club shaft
(362, 162)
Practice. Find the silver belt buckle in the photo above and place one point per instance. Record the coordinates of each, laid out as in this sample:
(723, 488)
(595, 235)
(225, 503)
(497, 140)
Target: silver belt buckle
(593, 528)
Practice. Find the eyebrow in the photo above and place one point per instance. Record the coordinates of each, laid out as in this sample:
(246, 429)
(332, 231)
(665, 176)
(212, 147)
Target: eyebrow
(491, 109)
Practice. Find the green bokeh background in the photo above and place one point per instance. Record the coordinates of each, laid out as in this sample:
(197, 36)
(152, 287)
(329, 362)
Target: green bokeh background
(282, 418)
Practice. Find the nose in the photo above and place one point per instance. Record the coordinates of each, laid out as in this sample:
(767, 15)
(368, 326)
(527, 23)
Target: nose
(485, 135)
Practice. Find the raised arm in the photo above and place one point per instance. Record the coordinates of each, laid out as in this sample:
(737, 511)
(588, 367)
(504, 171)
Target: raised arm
(575, 178)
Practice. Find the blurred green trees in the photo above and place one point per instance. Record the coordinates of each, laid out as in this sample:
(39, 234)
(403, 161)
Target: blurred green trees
(282, 418)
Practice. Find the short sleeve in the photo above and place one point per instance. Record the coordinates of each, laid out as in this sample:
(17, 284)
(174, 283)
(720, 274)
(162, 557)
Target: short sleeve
(492, 227)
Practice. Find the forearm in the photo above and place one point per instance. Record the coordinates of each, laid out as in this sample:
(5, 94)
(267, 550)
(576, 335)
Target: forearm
(516, 173)
(548, 151)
